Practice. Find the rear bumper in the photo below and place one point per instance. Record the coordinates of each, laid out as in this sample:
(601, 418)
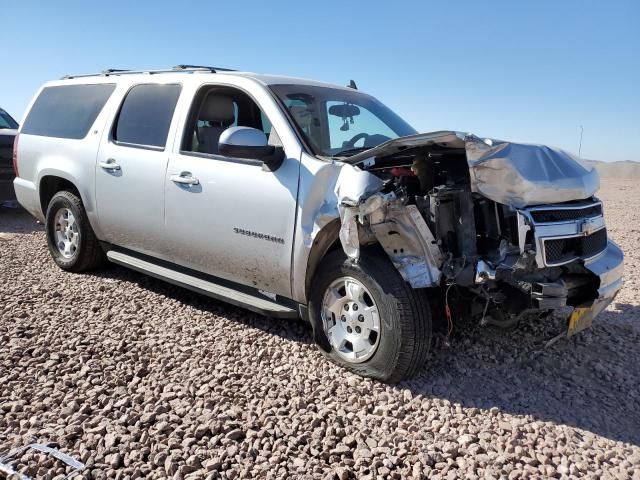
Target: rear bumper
(27, 196)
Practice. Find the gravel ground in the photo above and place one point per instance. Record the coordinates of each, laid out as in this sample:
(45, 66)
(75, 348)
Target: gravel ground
(141, 379)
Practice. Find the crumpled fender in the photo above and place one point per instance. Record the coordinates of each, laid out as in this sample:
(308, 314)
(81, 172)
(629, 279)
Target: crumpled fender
(334, 183)
(344, 191)
(400, 229)
(402, 233)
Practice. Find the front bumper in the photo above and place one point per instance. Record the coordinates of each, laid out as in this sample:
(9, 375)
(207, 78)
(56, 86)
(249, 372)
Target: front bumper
(588, 294)
(609, 268)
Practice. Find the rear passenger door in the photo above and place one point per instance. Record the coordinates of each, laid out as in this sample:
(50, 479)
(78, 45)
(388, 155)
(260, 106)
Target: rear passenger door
(131, 166)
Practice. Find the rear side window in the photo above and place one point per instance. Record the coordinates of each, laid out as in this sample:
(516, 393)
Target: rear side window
(67, 111)
(145, 115)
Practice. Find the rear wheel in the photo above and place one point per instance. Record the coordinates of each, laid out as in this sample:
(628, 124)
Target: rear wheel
(72, 243)
(374, 323)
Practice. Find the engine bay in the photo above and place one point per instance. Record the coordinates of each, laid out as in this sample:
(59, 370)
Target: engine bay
(489, 260)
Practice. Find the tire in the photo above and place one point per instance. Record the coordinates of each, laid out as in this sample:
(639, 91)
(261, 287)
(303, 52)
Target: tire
(84, 252)
(400, 347)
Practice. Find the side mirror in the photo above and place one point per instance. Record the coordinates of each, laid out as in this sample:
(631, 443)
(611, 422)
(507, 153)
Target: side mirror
(250, 143)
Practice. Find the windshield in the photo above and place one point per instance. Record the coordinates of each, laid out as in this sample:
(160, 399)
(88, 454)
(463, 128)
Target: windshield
(340, 123)
(6, 121)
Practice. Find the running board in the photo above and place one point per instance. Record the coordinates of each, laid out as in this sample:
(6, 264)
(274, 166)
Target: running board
(219, 292)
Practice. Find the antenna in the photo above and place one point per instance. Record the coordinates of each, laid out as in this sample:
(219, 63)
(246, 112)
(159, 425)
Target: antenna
(580, 147)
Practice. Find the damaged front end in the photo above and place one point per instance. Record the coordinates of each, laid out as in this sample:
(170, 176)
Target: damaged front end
(515, 228)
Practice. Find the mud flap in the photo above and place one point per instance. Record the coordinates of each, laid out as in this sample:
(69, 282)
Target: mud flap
(318, 334)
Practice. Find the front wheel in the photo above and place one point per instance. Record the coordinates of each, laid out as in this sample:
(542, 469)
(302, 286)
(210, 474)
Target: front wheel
(72, 243)
(373, 322)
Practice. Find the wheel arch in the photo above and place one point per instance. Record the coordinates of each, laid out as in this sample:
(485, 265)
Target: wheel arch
(49, 185)
(327, 240)
(52, 181)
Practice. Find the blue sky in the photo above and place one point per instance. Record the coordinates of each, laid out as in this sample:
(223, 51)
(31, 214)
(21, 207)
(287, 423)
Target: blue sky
(515, 70)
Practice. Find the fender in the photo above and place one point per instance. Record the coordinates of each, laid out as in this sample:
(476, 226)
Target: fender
(322, 185)
(326, 240)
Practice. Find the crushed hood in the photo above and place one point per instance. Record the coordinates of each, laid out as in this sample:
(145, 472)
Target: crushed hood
(515, 174)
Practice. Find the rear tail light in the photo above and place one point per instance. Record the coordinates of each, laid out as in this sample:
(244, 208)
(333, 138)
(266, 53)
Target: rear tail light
(15, 155)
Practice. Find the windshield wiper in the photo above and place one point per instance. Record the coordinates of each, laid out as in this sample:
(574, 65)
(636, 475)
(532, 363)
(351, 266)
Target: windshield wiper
(351, 151)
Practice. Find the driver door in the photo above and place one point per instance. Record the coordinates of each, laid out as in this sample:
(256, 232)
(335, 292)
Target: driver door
(235, 220)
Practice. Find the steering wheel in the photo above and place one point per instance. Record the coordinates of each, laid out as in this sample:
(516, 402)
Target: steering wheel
(352, 143)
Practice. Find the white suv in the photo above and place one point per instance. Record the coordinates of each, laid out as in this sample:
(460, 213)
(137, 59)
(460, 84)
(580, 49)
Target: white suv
(297, 198)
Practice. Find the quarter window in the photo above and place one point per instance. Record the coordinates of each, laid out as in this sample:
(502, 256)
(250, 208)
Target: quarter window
(67, 111)
(145, 115)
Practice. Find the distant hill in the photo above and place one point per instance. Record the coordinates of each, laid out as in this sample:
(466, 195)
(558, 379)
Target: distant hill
(623, 169)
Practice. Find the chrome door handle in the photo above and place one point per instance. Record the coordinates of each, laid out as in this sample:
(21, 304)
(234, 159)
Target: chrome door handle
(184, 178)
(110, 164)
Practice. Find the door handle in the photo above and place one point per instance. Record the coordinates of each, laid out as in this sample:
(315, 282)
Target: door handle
(185, 178)
(110, 164)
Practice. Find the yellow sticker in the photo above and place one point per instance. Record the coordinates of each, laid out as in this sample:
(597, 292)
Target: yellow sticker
(577, 320)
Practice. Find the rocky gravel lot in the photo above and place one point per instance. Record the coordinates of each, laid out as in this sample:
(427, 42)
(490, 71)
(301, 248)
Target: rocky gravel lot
(140, 379)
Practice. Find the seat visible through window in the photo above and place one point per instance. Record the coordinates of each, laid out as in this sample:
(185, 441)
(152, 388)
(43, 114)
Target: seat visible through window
(215, 109)
(218, 112)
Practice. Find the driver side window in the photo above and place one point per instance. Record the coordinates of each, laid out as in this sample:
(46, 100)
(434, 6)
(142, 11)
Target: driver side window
(218, 108)
(342, 130)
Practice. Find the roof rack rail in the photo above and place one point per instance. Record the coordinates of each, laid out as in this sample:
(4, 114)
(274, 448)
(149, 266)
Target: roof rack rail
(109, 71)
(178, 68)
(202, 67)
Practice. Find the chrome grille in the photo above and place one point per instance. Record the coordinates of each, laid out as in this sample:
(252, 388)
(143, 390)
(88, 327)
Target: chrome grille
(594, 243)
(562, 250)
(565, 232)
(566, 214)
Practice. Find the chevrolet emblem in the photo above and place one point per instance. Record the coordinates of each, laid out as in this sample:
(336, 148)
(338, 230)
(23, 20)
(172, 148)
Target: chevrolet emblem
(588, 226)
